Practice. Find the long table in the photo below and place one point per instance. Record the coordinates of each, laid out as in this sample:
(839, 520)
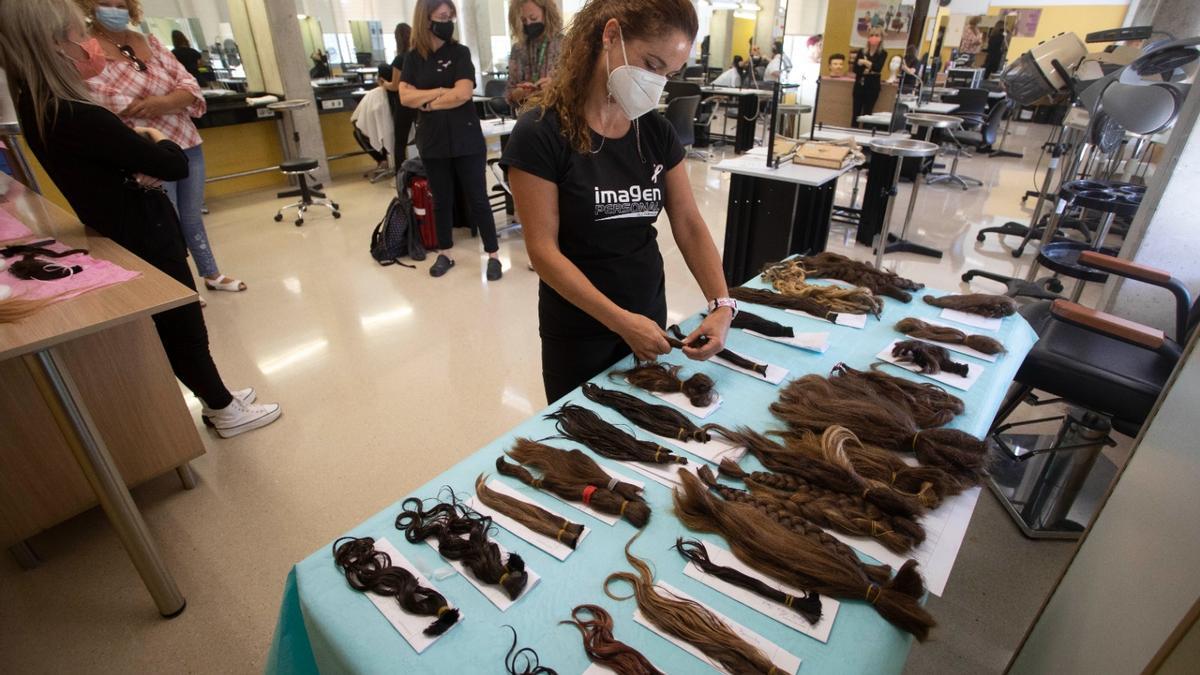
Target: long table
(325, 626)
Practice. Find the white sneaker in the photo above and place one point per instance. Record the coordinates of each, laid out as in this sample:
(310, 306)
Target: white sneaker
(239, 417)
(247, 396)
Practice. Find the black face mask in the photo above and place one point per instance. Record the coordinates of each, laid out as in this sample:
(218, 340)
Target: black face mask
(534, 30)
(442, 30)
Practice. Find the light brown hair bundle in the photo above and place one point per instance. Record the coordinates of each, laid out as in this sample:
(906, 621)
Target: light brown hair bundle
(759, 296)
(605, 649)
(689, 621)
(917, 328)
(699, 389)
(983, 304)
(929, 404)
(788, 277)
(830, 265)
(570, 465)
(774, 550)
(528, 514)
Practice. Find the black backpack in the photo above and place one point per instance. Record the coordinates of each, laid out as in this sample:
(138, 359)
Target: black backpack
(395, 236)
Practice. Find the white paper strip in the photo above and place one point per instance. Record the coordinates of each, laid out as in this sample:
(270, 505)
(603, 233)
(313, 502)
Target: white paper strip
(410, 626)
(969, 319)
(810, 342)
(774, 375)
(843, 319)
(600, 515)
(492, 592)
(785, 616)
(548, 544)
(783, 660)
(680, 401)
(961, 349)
(974, 370)
(663, 474)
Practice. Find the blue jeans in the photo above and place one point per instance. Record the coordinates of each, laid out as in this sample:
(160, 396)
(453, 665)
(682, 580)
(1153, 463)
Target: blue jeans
(188, 197)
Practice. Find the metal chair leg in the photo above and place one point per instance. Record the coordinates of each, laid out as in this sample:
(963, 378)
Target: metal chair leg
(187, 477)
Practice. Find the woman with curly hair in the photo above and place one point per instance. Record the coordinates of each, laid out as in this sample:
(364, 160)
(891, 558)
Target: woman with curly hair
(592, 165)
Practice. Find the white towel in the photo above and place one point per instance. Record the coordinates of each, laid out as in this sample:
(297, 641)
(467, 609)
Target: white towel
(373, 117)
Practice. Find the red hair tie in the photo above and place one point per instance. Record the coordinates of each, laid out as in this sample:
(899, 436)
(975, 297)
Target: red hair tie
(587, 494)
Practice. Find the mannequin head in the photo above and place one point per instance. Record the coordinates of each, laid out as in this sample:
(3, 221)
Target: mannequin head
(837, 65)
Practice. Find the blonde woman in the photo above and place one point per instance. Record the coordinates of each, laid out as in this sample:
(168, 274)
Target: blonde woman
(537, 27)
(592, 165)
(146, 86)
(868, 64)
(109, 172)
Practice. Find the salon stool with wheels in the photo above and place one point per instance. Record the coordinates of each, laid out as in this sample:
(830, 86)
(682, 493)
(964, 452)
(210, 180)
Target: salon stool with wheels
(309, 196)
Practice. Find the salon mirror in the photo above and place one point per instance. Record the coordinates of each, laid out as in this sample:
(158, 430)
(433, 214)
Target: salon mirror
(209, 27)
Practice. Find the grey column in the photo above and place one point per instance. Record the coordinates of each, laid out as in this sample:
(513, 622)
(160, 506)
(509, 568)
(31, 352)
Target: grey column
(293, 72)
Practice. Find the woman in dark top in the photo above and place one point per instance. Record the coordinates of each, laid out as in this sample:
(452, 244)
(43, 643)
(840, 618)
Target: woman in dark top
(867, 67)
(997, 46)
(111, 175)
(190, 58)
(909, 71)
(405, 116)
(439, 80)
(591, 166)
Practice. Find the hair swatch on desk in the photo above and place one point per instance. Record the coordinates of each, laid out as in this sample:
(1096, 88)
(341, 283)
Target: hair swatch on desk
(930, 358)
(637, 512)
(371, 570)
(777, 552)
(747, 321)
(462, 534)
(699, 389)
(529, 514)
(585, 427)
(830, 265)
(929, 404)
(758, 296)
(661, 420)
(605, 649)
(983, 304)
(13, 309)
(812, 402)
(571, 465)
(807, 605)
(788, 277)
(689, 621)
(676, 340)
(529, 664)
(917, 328)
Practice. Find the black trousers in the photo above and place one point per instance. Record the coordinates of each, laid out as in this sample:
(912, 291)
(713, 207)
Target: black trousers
(404, 119)
(569, 362)
(863, 99)
(467, 173)
(185, 339)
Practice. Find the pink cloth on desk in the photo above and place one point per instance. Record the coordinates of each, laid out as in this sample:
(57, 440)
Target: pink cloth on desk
(95, 274)
(11, 228)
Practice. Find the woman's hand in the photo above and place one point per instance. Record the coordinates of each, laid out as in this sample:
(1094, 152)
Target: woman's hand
(148, 108)
(643, 336)
(715, 326)
(151, 133)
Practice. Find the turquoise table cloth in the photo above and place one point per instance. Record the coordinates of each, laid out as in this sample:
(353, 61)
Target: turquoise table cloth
(326, 626)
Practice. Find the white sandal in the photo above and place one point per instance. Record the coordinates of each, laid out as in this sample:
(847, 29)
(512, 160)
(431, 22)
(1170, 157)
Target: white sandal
(224, 283)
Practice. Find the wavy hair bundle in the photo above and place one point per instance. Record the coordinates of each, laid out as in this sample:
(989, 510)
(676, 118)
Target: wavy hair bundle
(528, 514)
(371, 570)
(930, 358)
(605, 649)
(830, 265)
(788, 277)
(584, 426)
(689, 621)
(983, 304)
(929, 404)
(777, 552)
(661, 420)
(664, 378)
(917, 328)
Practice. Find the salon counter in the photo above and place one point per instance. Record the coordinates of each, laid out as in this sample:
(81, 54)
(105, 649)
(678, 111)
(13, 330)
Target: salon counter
(835, 100)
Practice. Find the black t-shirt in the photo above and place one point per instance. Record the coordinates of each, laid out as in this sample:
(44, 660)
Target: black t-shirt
(607, 205)
(190, 58)
(445, 133)
(863, 75)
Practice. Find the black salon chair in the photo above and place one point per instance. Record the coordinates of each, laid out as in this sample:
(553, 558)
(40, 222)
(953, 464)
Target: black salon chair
(498, 105)
(703, 135)
(677, 88)
(1110, 371)
(979, 132)
(681, 113)
(970, 101)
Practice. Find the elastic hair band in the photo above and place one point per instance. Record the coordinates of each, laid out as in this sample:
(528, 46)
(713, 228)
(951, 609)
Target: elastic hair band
(443, 609)
(558, 537)
(682, 435)
(502, 578)
(623, 505)
(656, 454)
(914, 440)
(612, 483)
(787, 600)
(587, 494)
(536, 483)
(878, 591)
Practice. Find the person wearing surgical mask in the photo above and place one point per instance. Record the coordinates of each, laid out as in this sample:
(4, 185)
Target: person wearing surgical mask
(868, 65)
(438, 79)
(592, 165)
(537, 30)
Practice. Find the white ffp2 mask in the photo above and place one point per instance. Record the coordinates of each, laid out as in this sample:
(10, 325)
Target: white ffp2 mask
(636, 90)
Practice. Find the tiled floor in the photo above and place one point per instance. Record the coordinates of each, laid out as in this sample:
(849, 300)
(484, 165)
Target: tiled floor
(387, 377)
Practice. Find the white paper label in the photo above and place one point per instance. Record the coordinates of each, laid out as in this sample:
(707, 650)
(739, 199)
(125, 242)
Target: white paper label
(774, 375)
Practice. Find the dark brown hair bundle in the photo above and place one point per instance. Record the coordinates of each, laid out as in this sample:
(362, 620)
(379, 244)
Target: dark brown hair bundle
(699, 389)
(983, 304)
(758, 296)
(777, 552)
(747, 321)
(919, 329)
(929, 404)
(584, 426)
(848, 514)
(676, 340)
(528, 514)
(807, 605)
(788, 277)
(811, 402)
(830, 265)
(371, 570)
(462, 534)
(930, 358)
(661, 420)
(570, 465)
(689, 621)
(605, 649)
(602, 499)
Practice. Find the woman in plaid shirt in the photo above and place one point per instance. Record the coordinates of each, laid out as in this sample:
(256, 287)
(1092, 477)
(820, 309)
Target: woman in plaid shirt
(146, 86)
(537, 27)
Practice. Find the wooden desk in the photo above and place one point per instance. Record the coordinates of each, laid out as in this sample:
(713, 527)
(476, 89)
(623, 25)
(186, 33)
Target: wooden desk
(88, 378)
(835, 100)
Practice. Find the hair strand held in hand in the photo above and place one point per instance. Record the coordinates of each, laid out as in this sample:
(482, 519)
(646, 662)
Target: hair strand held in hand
(983, 304)
(917, 328)
(605, 649)
(726, 354)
